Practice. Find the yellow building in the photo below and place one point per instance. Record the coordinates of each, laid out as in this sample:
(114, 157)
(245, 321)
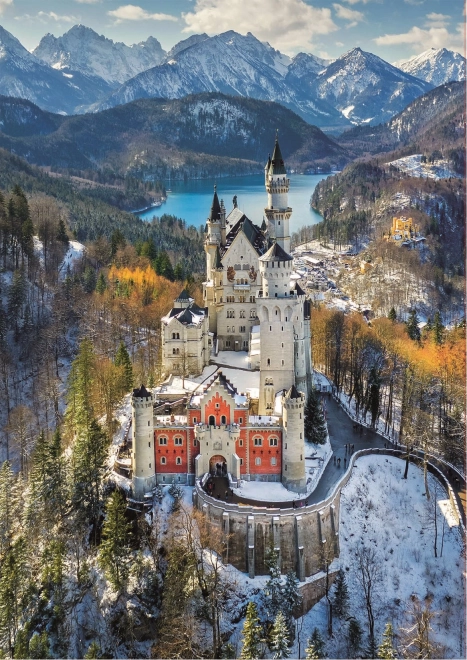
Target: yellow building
(403, 228)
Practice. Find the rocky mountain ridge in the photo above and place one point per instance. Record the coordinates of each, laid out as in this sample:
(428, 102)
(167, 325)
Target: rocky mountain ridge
(435, 65)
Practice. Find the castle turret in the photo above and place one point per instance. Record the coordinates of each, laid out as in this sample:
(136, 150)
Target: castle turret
(278, 211)
(293, 453)
(142, 456)
(213, 231)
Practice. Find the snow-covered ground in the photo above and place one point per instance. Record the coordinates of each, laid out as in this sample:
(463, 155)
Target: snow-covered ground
(393, 516)
(413, 166)
(75, 251)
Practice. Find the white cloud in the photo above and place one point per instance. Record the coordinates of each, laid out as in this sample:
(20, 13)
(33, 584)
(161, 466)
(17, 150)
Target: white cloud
(4, 4)
(44, 15)
(437, 20)
(289, 25)
(348, 14)
(134, 13)
(421, 40)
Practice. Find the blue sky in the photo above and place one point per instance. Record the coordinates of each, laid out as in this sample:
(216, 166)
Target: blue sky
(392, 29)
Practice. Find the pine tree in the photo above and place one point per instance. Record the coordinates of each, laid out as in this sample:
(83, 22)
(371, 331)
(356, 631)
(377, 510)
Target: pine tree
(80, 400)
(122, 359)
(392, 316)
(371, 648)
(62, 235)
(438, 329)
(6, 513)
(16, 298)
(291, 597)
(315, 424)
(354, 638)
(272, 592)
(88, 466)
(93, 651)
(39, 646)
(315, 648)
(341, 594)
(251, 634)
(280, 637)
(101, 284)
(412, 326)
(386, 650)
(114, 551)
(14, 585)
(89, 279)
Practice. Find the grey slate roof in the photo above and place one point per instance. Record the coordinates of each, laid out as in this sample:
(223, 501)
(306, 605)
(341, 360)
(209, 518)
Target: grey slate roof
(277, 162)
(276, 253)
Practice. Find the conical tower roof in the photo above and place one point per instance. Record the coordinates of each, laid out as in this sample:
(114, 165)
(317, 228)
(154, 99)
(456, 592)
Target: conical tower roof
(277, 162)
(276, 253)
(215, 213)
(293, 393)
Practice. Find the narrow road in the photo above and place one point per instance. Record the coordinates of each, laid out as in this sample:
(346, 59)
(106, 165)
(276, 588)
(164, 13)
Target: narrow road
(341, 432)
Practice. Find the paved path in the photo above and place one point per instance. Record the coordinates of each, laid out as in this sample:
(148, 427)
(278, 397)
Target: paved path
(341, 432)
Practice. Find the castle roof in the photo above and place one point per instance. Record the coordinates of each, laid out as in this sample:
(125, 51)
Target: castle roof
(238, 221)
(298, 289)
(293, 393)
(141, 392)
(183, 295)
(215, 213)
(276, 253)
(277, 162)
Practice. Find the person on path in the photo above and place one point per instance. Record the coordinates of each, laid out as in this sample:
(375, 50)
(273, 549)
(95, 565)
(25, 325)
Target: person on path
(294, 506)
(338, 462)
(345, 462)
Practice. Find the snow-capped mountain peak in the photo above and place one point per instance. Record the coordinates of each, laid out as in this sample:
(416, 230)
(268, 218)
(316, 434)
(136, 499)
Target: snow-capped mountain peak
(435, 65)
(81, 49)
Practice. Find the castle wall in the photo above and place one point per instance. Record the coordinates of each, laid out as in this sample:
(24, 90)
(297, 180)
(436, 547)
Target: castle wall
(299, 534)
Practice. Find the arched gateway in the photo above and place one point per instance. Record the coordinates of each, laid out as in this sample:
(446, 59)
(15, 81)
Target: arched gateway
(218, 466)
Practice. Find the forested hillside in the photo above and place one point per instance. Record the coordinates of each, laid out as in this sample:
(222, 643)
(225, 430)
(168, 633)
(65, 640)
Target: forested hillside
(150, 139)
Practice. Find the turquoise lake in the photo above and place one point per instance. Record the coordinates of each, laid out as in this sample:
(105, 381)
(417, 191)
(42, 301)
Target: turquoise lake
(191, 200)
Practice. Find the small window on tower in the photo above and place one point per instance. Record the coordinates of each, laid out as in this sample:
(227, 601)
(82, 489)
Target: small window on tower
(257, 461)
(163, 460)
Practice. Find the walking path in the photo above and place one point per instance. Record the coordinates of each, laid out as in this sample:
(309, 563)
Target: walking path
(341, 432)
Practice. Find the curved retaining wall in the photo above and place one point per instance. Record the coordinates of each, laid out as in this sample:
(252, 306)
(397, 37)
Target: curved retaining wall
(306, 538)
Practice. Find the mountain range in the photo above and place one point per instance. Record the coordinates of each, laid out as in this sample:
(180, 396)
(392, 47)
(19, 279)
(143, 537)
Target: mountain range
(82, 71)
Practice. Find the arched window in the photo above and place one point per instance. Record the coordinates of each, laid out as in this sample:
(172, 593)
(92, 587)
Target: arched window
(178, 461)
(273, 442)
(258, 442)
(212, 420)
(163, 460)
(178, 441)
(162, 441)
(223, 419)
(269, 362)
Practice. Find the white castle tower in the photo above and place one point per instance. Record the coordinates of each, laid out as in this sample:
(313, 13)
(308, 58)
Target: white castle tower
(278, 211)
(275, 310)
(293, 453)
(142, 455)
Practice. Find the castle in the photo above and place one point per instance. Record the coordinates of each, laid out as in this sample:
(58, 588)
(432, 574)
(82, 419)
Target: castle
(252, 304)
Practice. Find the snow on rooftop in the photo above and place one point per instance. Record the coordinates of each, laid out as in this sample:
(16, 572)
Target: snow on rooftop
(234, 359)
(267, 420)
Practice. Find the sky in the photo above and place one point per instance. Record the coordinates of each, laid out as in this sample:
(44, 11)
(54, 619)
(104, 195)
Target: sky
(392, 29)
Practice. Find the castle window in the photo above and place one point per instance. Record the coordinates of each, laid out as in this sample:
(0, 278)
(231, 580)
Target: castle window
(163, 460)
(178, 461)
(149, 423)
(241, 461)
(178, 441)
(242, 328)
(218, 405)
(242, 313)
(273, 460)
(175, 351)
(212, 420)
(269, 362)
(258, 442)
(149, 464)
(282, 361)
(257, 461)
(273, 442)
(240, 420)
(223, 419)
(230, 314)
(195, 442)
(233, 328)
(149, 444)
(227, 343)
(162, 441)
(240, 443)
(252, 314)
(195, 420)
(228, 329)
(252, 299)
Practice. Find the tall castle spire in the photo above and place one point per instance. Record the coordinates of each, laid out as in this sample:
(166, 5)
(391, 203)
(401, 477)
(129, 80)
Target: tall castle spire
(278, 211)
